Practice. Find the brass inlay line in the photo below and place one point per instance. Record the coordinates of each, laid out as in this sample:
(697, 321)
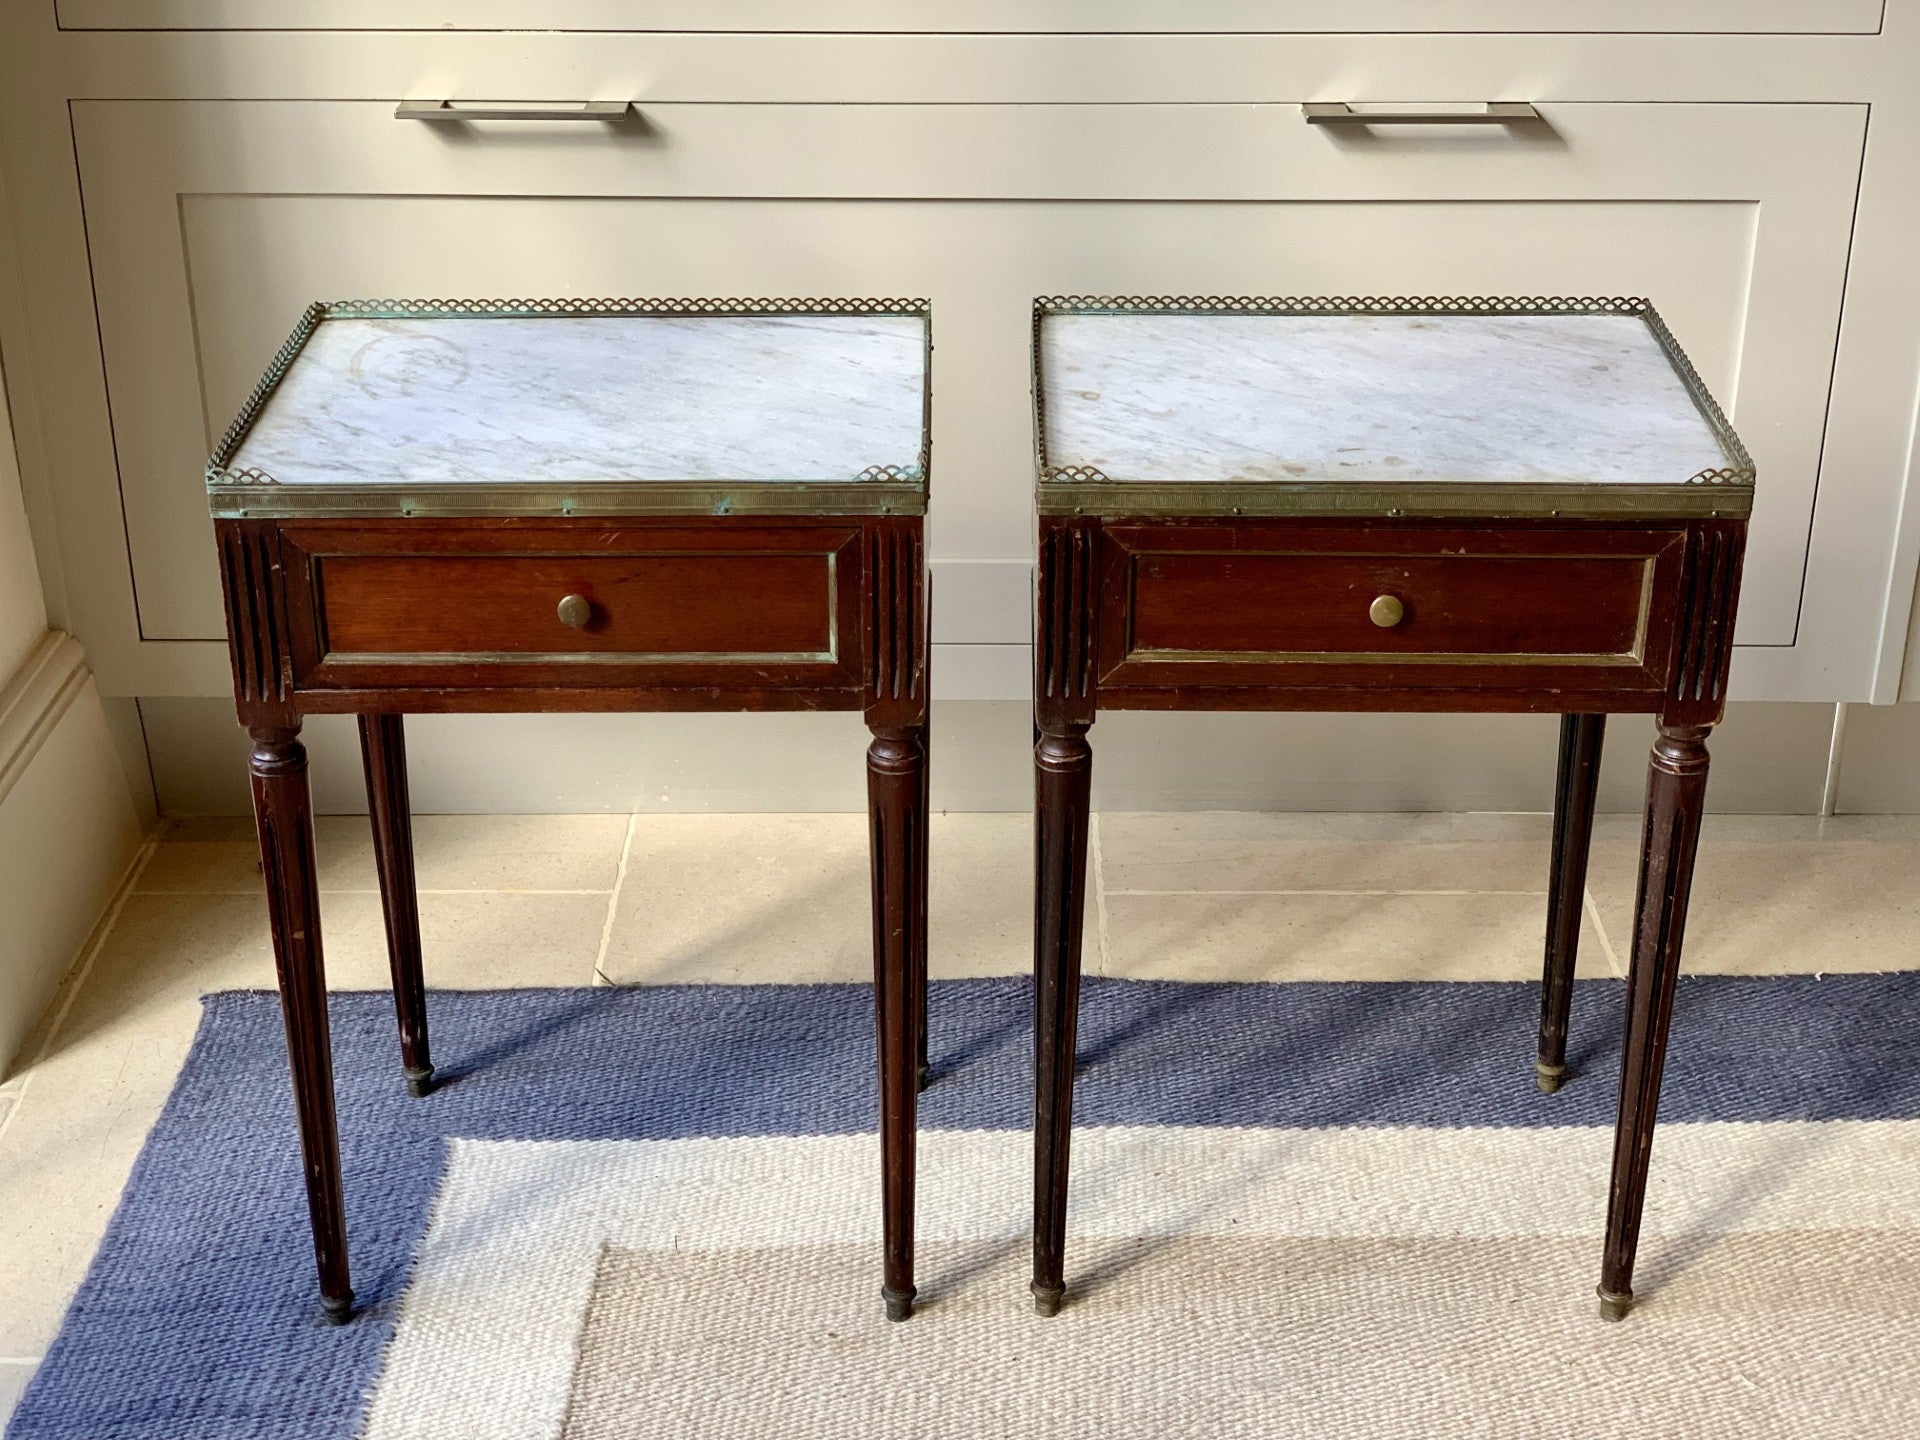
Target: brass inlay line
(1370, 657)
(578, 657)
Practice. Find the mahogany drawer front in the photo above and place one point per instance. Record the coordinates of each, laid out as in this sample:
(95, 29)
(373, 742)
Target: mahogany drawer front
(472, 604)
(1416, 606)
(743, 606)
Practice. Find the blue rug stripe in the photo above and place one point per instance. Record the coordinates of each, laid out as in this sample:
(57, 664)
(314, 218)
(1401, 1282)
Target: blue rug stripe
(198, 1318)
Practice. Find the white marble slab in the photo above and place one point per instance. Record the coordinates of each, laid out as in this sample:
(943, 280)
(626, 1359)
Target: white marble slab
(578, 400)
(1464, 399)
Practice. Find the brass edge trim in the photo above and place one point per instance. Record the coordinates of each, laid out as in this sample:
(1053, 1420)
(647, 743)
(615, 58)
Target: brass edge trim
(1203, 499)
(256, 401)
(822, 499)
(576, 657)
(217, 470)
(1738, 471)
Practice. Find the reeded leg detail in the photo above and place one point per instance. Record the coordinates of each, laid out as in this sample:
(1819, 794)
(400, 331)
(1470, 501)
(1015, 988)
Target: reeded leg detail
(919, 917)
(896, 790)
(383, 748)
(1676, 790)
(1581, 737)
(283, 812)
(1063, 770)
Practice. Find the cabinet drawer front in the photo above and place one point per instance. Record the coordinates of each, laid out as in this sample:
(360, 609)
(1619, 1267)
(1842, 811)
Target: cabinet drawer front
(1201, 604)
(639, 607)
(989, 16)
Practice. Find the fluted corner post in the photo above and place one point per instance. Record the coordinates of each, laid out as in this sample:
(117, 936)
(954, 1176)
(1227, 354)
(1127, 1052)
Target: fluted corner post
(1581, 738)
(1676, 791)
(894, 648)
(1063, 772)
(283, 812)
(1066, 652)
(383, 748)
(896, 762)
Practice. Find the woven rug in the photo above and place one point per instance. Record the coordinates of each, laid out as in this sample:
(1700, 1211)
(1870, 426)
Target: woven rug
(1301, 1209)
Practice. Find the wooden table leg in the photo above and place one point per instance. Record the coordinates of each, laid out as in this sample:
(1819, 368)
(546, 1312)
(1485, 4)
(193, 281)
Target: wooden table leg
(918, 938)
(1581, 737)
(896, 765)
(1676, 790)
(1063, 770)
(283, 812)
(383, 747)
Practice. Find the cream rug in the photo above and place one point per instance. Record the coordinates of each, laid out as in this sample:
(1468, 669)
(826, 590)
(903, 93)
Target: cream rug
(1223, 1283)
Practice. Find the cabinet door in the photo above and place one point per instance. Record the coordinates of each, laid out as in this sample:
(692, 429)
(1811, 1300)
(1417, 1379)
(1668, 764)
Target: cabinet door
(211, 224)
(988, 16)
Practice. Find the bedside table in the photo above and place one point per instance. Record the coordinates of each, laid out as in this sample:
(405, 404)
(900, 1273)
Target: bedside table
(568, 506)
(1357, 504)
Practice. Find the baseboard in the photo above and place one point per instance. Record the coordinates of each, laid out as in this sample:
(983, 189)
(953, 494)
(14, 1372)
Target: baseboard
(68, 828)
(35, 700)
(1767, 758)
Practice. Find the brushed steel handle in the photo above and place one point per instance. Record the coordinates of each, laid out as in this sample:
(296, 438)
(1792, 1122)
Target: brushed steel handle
(575, 611)
(1498, 112)
(601, 111)
(1387, 611)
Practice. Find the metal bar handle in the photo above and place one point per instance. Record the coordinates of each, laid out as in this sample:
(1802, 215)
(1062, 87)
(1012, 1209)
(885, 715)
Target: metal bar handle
(600, 111)
(1499, 112)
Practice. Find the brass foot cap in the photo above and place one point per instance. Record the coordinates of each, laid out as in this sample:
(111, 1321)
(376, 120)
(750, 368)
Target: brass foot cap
(899, 1303)
(1612, 1306)
(420, 1082)
(338, 1311)
(1549, 1077)
(1046, 1298)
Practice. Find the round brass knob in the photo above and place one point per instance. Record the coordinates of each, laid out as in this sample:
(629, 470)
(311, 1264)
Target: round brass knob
(1387, 611)
(575, 611)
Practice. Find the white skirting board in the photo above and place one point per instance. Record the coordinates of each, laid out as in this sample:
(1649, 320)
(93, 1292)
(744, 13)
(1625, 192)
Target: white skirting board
(1768, 758)
(68, 828)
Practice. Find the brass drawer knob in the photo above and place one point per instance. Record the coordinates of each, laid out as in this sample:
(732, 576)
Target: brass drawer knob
(576, 610)
(1387, 611)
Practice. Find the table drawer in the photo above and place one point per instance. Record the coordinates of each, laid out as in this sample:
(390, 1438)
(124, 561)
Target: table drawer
(476, 602)
(735, 607)
(1294, 603)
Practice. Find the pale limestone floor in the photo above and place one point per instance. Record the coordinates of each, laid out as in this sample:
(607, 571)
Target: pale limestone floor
(574, 900)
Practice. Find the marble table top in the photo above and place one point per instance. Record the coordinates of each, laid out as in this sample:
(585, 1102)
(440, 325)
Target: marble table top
(437, 404)
(1400, 403)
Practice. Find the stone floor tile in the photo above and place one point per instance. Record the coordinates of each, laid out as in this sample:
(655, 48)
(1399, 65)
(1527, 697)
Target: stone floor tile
(1327, 937)
(1226, 850)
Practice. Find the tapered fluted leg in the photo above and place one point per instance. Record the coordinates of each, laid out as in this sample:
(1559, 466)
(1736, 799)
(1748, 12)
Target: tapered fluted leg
(896, 763)
(383, 747)
(1063, 770)
(919, 917)
(1580, 742)
(283, 812)
(1676, 789)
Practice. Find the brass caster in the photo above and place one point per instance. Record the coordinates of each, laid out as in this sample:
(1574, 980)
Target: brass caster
(1548, 1078)
(1612, 1306)
(339, 1311)
(420, 1082)
(899, 1303)
(1047, 1298)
